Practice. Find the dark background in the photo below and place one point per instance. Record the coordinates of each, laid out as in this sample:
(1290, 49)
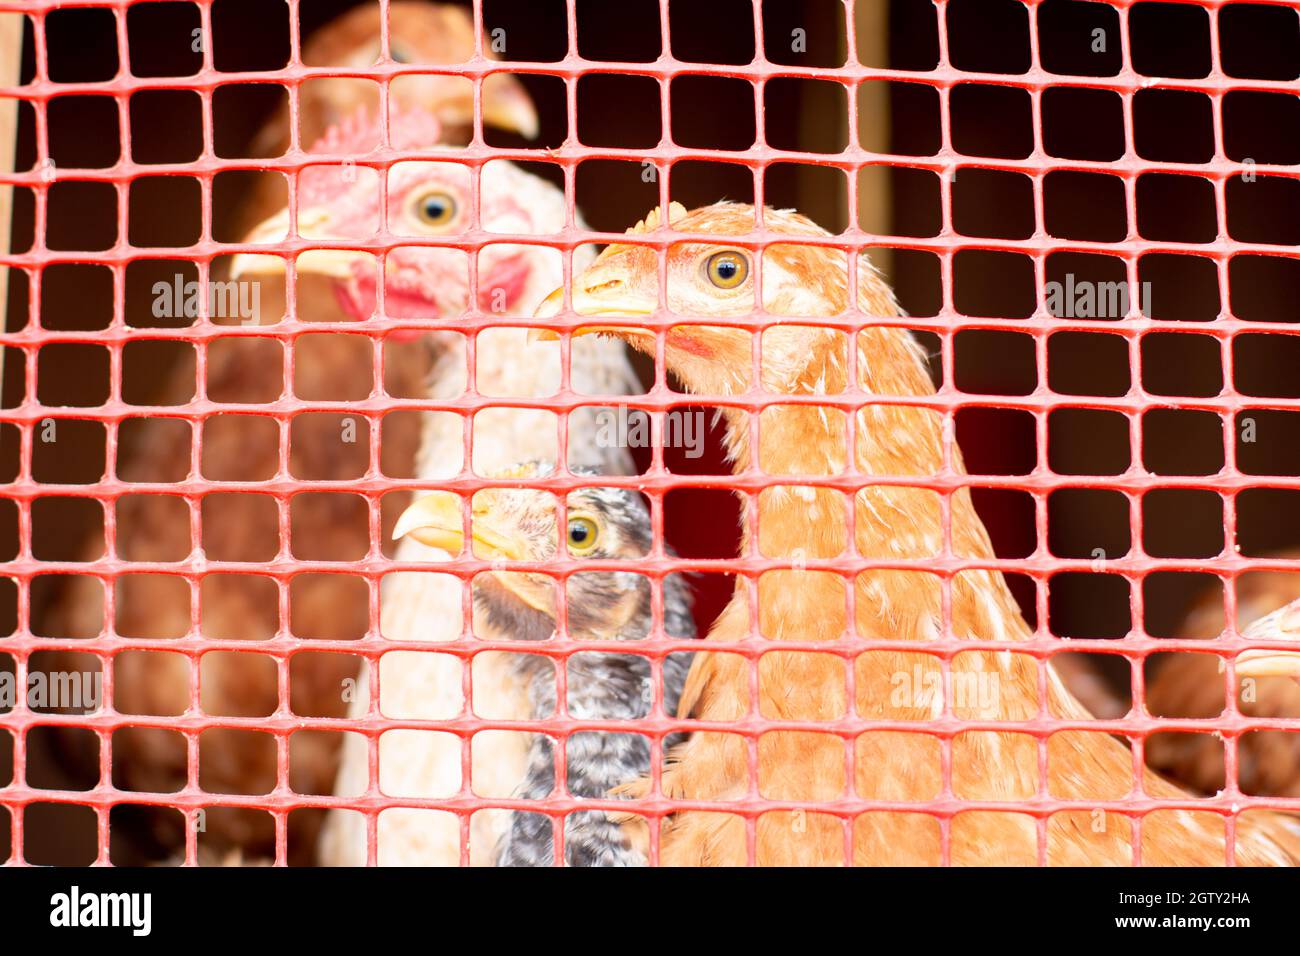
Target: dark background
(989, 36)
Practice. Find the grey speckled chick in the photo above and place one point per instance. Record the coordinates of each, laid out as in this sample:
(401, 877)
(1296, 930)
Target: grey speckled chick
(603, 523)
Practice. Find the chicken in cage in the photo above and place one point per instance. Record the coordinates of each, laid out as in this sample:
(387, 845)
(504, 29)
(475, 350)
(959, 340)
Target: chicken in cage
(557, 433)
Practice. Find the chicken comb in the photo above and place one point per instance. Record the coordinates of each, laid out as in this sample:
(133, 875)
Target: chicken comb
(360, 135)
(676, 211)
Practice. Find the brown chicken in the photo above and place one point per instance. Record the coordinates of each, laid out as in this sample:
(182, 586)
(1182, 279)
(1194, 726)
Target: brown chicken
(241, 527)
(1192, 685)
(807, 770)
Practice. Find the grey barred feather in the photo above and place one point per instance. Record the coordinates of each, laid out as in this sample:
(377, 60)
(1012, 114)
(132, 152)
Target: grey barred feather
(427, 607)
(600, 685)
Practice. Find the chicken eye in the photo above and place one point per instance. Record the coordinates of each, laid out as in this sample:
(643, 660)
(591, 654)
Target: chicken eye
(435, 208)
(727, 270)
(583, 533)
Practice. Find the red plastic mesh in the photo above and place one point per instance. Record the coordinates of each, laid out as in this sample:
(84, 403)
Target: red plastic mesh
(1040, 566)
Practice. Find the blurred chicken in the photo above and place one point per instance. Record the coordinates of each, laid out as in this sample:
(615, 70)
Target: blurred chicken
(420, 34)
(334, 122)
(519, 524)
(1192, 685)
(431, 199)
(895, 522)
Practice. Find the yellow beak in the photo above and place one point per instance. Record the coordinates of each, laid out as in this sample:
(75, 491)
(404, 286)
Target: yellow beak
(312, 223)
(618, 303)
(506, 105)
(1282, 624)
(1269, 664)
(435, 519)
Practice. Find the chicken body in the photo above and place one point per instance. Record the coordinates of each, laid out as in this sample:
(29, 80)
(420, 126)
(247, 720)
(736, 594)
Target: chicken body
(604, 523)
(894, 522)
(432, 199)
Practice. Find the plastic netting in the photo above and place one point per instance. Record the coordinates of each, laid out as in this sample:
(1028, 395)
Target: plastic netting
(1040, 566)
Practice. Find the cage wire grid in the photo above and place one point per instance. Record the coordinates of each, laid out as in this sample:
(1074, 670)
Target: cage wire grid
(1040, 566)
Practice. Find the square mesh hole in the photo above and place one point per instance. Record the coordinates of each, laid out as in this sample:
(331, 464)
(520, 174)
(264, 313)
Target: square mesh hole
(1091, 523)
(152, 527)
(154, 607)
(1087, 363)
(164, 211)
(1264, 365)
(67, 529)
(1100, 138)
(161, 38)
(1268, 442)
(1182, 523)
(83, 132)
(988, 36)
(76, 829)
(154, 450)
(996, 441)
(217, 775)
(68, 451)
(1086, 441)
(1175, 208)
(995, 284)
(1179, 288)
(1173, 126)
(1087, 606)
(1259, 42)
(75, 296)
(993, 203)
(1084, 206)
(804, 32)
(82, 216)
(798, 114)
(1261, 209)
(994, 363)
(141, 362)
(238, 606)
(919, 136)
(239, 527)
(328, 607)
(526, 31)
(81, 45)
(166, 126)
(346, 516)
(1169, 39)
(633, 103)
(1255, 126)
(1184, 605)
(1174, 363)
(1182, 442)
(1079, 39)
(1267, 520)
(1085, 286)
(697, 39)
(991, 121)
(627, 33)
(1259, 287)
(696, 101)
(231, 50)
